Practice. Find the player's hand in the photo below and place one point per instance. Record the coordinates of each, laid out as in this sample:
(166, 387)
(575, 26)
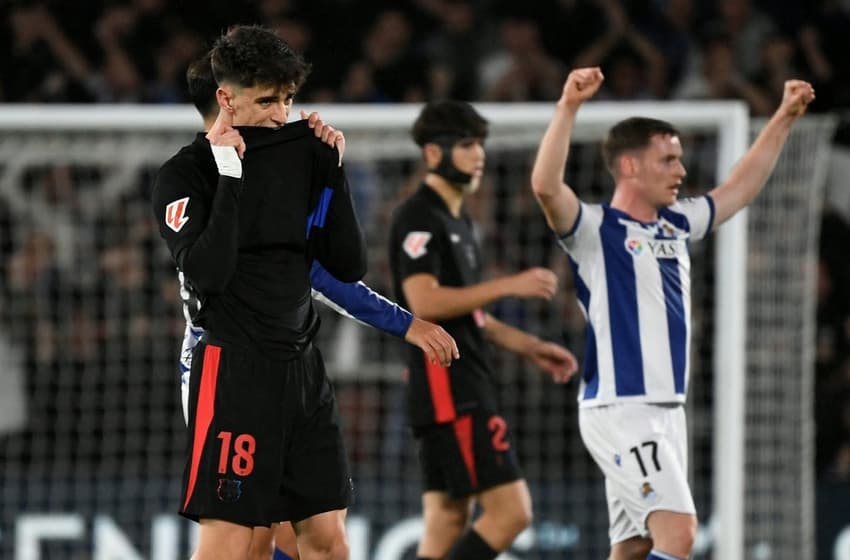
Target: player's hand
(581, 85)
(535, 282)
(437, 344)
(555, 360)
(222, 133)
(796, 98)
(325, 132)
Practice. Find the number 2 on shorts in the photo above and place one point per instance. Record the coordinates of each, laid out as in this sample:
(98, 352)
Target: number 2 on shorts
(636, 452)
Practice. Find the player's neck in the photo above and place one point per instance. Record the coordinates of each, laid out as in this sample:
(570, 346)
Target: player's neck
(629, 201)
(452, 196)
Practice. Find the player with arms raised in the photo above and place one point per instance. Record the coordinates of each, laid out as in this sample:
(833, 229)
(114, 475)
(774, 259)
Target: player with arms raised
(632, 273)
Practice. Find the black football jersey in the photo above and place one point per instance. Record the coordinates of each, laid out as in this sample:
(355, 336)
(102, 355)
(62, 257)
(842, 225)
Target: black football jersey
(426, 238)
(245, 246)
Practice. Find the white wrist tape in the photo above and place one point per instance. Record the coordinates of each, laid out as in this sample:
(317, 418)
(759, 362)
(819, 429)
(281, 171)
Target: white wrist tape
(227, 160)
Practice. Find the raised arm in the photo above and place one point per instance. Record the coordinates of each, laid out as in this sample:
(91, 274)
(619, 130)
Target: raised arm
(749, 176)
(555, 360)
(558, 201)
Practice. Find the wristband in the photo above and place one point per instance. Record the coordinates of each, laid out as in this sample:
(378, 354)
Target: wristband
(227, 160)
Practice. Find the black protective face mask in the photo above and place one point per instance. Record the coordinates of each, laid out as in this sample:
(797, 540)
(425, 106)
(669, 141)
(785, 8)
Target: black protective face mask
(446, 168)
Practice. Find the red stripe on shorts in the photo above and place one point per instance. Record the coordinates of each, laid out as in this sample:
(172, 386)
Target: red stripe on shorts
(441, 392)
(463, 433)
(204, 413)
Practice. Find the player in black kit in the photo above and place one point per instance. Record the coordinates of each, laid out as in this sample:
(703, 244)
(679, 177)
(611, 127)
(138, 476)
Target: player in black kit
(262, 415)
(351, 299)
(464, 443)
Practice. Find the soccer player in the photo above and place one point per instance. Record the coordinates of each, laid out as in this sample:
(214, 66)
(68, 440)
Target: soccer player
(632, 272)
(351, 299)
(465, 447)
(265, 445)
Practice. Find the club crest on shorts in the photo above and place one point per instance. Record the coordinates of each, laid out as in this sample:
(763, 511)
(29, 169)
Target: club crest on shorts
(415, 242)
(229, 490)
(647, 492)
(175, 214)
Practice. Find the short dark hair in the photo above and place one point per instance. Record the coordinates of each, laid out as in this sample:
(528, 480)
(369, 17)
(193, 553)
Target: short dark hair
(441, 120)
(251, 55)
(634, 133)
(202, 85)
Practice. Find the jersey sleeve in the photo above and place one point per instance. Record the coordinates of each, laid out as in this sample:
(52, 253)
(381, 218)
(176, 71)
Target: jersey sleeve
(358, 301)
(414, 244)
(201, 233)
(584, 230)
(335, 235)
(699, 211)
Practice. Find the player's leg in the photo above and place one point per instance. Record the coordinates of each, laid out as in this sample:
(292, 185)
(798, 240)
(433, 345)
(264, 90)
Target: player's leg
(316, 479)
(445, 520)
(234, 457)
(634, 548)
(506, 512)
(673, 534)
(322, 536)
(262, 543)
(222, 540)
(286, 547)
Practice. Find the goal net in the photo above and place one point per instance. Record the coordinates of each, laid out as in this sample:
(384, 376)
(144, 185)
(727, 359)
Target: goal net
(91, 436)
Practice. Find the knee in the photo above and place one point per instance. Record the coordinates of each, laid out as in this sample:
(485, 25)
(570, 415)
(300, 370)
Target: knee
(514, 520)
(334, 548)
(445, 522)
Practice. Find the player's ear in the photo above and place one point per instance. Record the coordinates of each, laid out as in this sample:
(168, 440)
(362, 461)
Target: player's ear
(432, 153)
(627, 164)
(224, 96)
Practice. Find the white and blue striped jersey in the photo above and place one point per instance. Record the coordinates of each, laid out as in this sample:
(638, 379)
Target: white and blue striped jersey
(634, 285)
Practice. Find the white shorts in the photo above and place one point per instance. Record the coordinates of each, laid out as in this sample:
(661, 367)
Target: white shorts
(642, 451)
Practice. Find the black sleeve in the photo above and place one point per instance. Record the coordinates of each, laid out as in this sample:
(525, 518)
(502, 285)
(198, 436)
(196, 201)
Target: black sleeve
(202, 234)
(336, 238)
(414, 244)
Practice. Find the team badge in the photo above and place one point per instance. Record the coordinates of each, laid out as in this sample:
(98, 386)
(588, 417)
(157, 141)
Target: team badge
(229, 490)
(647, 492)
(175, 214)
(415, 242)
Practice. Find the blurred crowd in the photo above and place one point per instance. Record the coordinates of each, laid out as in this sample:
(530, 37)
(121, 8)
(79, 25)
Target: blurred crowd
(131, 51)
(413, 50)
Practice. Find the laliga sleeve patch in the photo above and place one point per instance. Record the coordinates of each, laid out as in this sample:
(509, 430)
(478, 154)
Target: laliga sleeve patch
(175, 214)
(415, 242)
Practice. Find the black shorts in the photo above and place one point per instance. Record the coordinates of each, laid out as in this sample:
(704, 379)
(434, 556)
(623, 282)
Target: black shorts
(264, 438)
(467, 456)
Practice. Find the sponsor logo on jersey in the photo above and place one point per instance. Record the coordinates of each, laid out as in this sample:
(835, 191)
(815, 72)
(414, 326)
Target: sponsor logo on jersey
(415, 242)
(175, 214)
(658, 248)
(634, 246)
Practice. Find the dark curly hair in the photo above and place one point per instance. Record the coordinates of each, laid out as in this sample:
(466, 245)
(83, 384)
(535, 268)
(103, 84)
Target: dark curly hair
(251, 55)
(448, 119)
(630, 134)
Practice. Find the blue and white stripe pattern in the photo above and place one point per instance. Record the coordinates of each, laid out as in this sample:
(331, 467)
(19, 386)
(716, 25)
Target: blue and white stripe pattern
(633, 283)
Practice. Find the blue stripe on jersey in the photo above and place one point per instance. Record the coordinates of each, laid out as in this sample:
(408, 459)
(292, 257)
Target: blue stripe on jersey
(319, 214)
(622, 310)
(678, 220)
(591, 364)
(676, 327)
(710, 214)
